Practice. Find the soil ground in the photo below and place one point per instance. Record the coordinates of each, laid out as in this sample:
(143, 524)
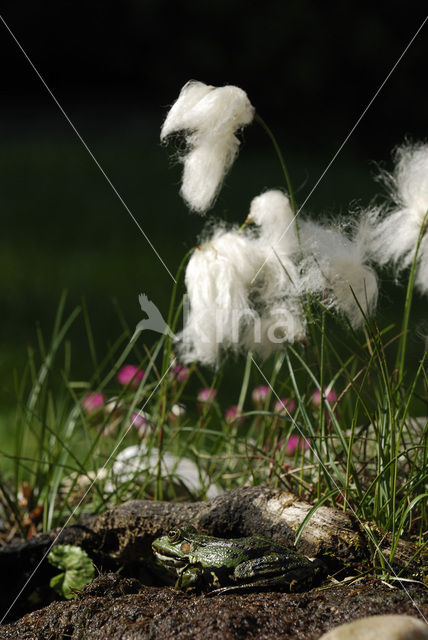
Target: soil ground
(122, 608)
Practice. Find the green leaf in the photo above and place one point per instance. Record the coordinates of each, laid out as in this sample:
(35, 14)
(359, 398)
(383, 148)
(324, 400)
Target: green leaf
(78, 569)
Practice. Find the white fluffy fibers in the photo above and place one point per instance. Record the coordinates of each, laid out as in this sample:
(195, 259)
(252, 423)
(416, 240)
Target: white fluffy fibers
(276, 276)
(422, 270)
(395, 237)
(217, 281)
(203, 172)
(177, 118)
(275, 285)
(334, 269)
(411, 180)
(243, 291)
(280, 324)
(210, 117)
(271, 212)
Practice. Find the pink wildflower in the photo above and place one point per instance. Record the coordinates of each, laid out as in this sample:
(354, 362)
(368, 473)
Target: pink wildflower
(180, 373)
(260, 394)
(295, 443)
(139, 419)
(93, 401)
(330, 396)
(233, 413)
(130, 375)
(285, 406)
(207, 395)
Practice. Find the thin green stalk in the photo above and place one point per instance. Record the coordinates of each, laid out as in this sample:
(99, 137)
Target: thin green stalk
(48, 360)
(90, 336)
(315, 447)
(322, 406)
(408, 302)
(172, 314)
(245, 381)
(269, 132)
(397, 442)
(350, 469)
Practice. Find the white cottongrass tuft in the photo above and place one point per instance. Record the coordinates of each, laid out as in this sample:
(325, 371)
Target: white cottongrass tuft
(396, 234)
(277, 247)
(245, 286)
(243, 294)
(335, 270)
(277, 326)
(271, 212)
(210, 116)
(217, 279)
(275, 286)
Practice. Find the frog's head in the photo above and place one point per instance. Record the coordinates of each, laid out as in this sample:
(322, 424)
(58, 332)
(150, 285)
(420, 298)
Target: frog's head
(173, 549)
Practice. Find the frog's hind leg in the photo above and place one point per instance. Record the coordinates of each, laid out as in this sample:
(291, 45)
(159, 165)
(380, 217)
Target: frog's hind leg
(265, 584)
(300, 579)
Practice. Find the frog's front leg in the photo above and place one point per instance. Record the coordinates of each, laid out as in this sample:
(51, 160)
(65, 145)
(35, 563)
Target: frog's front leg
(189, 577)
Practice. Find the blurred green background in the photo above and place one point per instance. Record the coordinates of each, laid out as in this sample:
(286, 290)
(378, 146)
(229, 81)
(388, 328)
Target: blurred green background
(310, 69)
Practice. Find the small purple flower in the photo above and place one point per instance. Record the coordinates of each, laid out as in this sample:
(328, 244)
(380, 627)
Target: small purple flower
(130, 375)
(93, 402)
(295, 443)
(180, 373)
(330, 396)
(285, 406)
(139, 419)
(233, 413)
(207, 395)
(260, 394)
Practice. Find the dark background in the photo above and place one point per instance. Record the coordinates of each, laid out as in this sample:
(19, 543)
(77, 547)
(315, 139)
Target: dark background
(309, 68)
(314, 66)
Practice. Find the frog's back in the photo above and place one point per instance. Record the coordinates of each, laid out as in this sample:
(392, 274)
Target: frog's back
(267, 547)
(260, 542)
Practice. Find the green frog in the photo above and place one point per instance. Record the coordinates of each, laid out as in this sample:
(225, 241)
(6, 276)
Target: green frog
(201, 562)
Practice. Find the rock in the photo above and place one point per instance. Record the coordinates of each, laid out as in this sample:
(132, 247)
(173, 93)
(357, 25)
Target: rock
(391, 627)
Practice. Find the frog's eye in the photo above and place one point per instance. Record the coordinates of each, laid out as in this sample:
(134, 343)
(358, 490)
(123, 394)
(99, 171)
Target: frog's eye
(173, 535)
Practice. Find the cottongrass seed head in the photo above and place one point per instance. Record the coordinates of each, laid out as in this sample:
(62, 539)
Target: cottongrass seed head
(334, 270)
(396, 228)
(210, 117)
(242, 295)
(217, 280)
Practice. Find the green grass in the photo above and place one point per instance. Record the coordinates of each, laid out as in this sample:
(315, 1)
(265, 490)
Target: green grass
(368, 452)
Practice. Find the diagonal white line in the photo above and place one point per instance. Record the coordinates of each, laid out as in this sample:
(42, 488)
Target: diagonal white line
(346, 139)
(121, 200)
(314, 451)
(131, 424)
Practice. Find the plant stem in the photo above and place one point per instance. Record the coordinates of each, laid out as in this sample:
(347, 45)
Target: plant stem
(260, 120)
(408, 303)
